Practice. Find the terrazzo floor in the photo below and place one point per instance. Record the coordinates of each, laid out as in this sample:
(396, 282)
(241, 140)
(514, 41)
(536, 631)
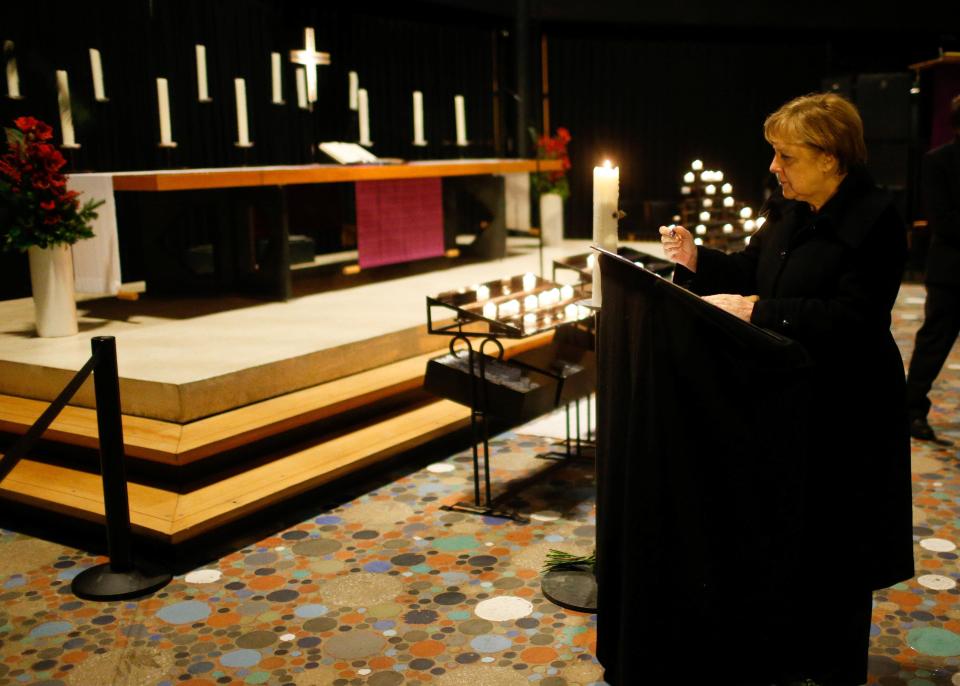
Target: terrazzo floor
(387, 588)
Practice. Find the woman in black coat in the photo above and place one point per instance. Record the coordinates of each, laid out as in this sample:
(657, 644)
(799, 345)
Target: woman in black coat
(825, 269)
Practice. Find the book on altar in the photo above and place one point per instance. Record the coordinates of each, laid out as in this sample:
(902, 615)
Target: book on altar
(349, 153)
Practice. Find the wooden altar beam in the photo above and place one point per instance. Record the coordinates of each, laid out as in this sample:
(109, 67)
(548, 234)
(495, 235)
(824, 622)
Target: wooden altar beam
(246, 177)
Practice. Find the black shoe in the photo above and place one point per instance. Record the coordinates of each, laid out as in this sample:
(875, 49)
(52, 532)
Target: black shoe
(920, 429)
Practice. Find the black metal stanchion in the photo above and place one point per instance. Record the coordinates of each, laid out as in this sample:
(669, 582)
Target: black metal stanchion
(119, 578)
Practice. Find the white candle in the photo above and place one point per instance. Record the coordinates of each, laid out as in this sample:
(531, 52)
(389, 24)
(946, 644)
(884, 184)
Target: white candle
(302, 88)
(707, 202)
(364, 105)
(697, 165)
(606, 198)
(689, 177)
(203, 94)
(704, 216)
(710, 189)
(685, 190)
(706, 176)
(461, 119)
(354, 96)
(746, 213)
(728, 201)
(163, 110)
(728, 228)
(570, 312)
(529, 281)
(749, 225)
(13, 77)
(701, 229)
(726, 189)
(66, 115)
(490, 310)
(96, 69)
(243, 133)
(761, 221)
(531, 302)
(418, 138)
(483, 292)
(529, 320)
(276, 79)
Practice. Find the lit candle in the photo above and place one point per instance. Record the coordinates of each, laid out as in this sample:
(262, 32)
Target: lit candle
(544, 299)
(529, 320)
(710, 189)
(689, 177)
(698, 241)
(718, 175)
(243, 133)
(530, 302)
(728, 228)
(746, 213)
(704, 216)
(726, 189)
(418, 138)
(66, 114)
(685, 190)
(566, 292)
(96, 68)
(570, 312)
(202, 94)
(746, 240)
(276, 78)
(354, 88)
(554, 296)
(582, 312)
(461, 119)
(706, 176)
(591, 260)
(606, 198)
(707, 202)
(13, 77)
(490, 310)
(483, 292)
(364, 105)
(701, 229)
(761, 221)
(697, 165)
(302, 88)
(529, 281)
(163, 110)
(749, 225)
(728, 201)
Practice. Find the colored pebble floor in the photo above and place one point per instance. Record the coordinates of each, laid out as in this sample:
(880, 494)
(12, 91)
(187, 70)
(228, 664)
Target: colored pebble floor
(387, 588)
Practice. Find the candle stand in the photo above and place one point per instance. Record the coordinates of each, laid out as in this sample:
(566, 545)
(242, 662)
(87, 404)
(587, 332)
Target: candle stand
(478, 375)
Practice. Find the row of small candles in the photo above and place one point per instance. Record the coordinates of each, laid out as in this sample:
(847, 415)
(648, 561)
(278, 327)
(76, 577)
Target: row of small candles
(538, 309)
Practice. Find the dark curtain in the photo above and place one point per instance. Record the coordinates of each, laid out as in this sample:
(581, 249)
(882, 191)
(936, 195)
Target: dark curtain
(395, 51)
(700, 473)
(656, 101)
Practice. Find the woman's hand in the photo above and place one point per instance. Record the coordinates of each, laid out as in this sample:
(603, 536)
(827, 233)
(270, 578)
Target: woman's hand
(736, 305)
(678, 246)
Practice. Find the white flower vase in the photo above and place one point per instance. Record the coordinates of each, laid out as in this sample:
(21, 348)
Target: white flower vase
(51, 276)
(551, 218)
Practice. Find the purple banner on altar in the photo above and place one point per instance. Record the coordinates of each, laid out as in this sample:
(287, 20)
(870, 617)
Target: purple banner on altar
(399, 220)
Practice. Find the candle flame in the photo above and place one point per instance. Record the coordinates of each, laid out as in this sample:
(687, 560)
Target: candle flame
(607, 164)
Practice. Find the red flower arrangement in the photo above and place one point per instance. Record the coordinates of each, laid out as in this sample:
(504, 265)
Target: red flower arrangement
(553, 148)
(36, 209)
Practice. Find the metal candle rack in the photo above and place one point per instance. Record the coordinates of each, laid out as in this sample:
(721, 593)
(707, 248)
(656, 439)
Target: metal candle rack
(496, 387)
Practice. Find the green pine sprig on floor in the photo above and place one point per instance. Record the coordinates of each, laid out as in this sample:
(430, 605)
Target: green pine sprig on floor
(557, 559)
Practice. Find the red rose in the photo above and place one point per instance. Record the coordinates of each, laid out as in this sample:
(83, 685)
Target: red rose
(47, 205)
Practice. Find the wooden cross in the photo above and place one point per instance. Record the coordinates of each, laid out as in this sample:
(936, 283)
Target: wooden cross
(311, 59)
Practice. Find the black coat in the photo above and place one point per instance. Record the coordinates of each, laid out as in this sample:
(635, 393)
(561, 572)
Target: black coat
(829, 281)
(941, 201)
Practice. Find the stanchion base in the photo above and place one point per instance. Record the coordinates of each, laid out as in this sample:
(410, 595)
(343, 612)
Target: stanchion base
(102, 583)
(486, 510)
(574, 588)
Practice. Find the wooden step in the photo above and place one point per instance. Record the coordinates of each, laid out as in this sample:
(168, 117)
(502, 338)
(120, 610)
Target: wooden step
(175, 517)
(179, 444)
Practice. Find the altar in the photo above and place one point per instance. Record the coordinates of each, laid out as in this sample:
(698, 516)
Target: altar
(229, 229)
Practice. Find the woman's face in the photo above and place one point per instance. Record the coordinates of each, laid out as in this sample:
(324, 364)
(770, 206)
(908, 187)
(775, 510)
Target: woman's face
(804, 172)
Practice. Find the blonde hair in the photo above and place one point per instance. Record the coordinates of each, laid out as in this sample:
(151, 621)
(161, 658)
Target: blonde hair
(825, 121)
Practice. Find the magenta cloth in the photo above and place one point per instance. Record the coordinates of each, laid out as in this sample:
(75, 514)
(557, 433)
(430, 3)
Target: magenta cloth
(399, 220)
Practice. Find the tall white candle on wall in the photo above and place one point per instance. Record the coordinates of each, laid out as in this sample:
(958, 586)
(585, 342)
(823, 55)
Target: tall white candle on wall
(13, 77)
(163, 110)
(302, 88)
(418, 138)
(275, 79)
(353, 98)
(461, 117)
(66, 114)
(364, 105)
(96, 69)
(243, 133)
(203, 94)
(606, 198)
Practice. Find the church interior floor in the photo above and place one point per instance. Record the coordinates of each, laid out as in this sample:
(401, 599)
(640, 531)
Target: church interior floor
(378, 585)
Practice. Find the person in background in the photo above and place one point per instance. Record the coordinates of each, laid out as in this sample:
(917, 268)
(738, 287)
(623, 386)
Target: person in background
(940, 181)
(825, 270)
